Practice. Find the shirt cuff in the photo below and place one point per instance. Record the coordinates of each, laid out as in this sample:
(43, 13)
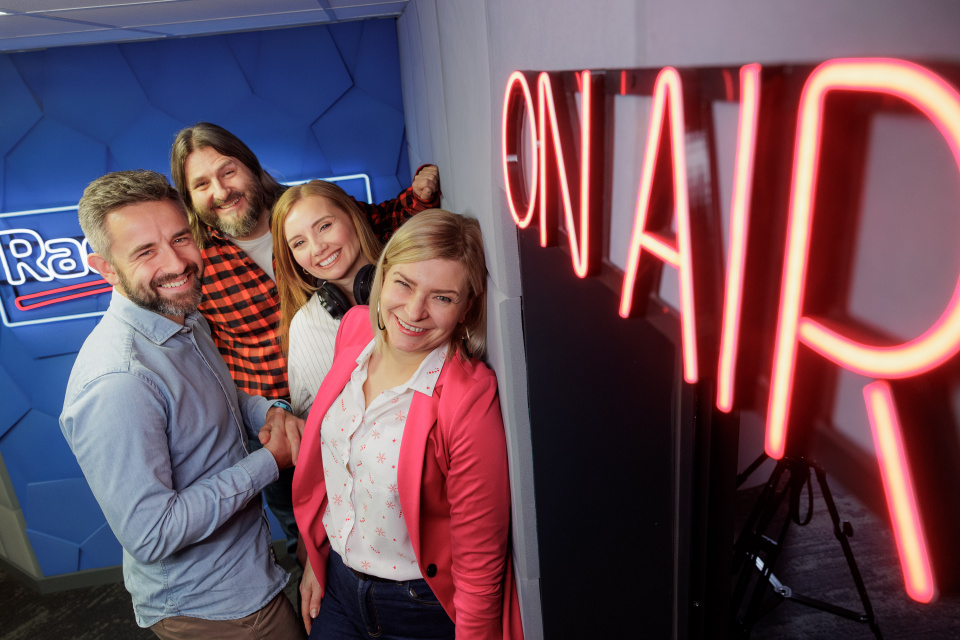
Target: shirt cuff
(262, 468)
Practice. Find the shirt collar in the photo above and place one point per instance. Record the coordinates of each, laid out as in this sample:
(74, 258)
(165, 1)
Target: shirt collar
(215, 234)
(424, 379)
(155, 327)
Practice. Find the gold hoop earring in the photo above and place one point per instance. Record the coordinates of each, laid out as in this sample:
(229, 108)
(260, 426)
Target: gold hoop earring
(379, 321)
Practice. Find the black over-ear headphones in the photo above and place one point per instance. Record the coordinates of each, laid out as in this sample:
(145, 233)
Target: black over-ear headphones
(337, 304)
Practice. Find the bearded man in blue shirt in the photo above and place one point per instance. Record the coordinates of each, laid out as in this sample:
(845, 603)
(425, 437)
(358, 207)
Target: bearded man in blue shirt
(161, 431)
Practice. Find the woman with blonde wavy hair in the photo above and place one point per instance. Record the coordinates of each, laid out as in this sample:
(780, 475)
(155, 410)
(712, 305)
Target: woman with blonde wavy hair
(401, 490)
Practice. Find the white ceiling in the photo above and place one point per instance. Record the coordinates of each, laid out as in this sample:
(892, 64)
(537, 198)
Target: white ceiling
(39, 24)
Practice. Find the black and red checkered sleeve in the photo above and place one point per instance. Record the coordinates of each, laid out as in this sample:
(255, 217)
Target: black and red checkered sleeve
(386, 217)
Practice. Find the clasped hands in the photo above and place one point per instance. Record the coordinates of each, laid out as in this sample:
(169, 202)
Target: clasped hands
(280, 435)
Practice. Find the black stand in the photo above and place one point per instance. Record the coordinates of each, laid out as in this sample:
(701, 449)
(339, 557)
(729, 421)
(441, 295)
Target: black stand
(755, 554)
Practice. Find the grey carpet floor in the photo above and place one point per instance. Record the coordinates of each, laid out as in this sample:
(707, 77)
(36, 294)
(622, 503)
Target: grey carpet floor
(812, 564)
(93, 613)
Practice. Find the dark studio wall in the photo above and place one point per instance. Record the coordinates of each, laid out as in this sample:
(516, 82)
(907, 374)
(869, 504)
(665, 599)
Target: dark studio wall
(602, 395)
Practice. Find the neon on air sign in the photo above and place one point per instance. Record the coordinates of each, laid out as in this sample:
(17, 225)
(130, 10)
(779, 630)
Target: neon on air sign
(44, 276)
(555, 137)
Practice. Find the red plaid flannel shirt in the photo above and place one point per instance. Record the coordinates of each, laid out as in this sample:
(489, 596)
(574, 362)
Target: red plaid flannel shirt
(242, 306)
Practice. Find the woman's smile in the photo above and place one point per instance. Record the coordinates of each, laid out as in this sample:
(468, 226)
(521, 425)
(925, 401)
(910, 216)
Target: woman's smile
(422, 303)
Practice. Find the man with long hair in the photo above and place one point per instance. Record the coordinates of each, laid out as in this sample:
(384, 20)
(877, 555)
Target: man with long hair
(230, 197)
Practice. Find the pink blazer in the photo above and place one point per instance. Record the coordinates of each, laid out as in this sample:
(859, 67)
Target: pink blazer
(453, 486)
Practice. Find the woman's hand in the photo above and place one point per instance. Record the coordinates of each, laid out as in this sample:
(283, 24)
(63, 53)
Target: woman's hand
(310, 595)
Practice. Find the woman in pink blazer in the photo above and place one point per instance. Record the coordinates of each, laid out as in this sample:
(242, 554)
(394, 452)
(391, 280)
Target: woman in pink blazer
(401, 491)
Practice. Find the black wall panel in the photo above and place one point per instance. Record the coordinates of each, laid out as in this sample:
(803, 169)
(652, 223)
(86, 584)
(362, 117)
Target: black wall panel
(602, 392)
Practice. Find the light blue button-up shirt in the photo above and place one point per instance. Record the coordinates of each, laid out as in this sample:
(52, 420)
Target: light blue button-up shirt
(157, 425)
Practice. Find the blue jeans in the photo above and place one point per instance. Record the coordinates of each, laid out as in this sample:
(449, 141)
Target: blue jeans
(364, 609)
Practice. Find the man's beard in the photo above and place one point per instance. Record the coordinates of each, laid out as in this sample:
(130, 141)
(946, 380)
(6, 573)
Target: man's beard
(242, 223)
(152, 298)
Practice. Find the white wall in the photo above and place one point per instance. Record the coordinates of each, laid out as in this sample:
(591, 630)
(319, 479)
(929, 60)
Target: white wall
(457, 54)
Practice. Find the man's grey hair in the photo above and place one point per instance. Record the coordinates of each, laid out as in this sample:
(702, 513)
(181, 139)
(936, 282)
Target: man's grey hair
(114, 191)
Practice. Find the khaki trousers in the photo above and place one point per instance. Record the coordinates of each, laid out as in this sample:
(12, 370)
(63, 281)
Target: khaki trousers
(276, 621)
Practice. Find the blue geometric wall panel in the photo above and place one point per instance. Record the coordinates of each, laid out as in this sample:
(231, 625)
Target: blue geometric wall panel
(15, 403)
(30, 65)
(19, 110)
(65, 509)
(70, 72)
(377, 77)
(54, 371)
(35, 451)
(403, 163)
(246, 51)
(145, 144)
(52, 161)
(348, 39)
(349, 124)
(206, 67)
(310, 102)
(54, 554)
(100, 549)
(322, 84)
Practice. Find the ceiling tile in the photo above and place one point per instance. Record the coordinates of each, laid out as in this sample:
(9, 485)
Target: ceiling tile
(50, 23)
(17, 26)
(229, 25)
(26, 43)
(29, 6)
(378, 6)
(346, 10)
(136, 15)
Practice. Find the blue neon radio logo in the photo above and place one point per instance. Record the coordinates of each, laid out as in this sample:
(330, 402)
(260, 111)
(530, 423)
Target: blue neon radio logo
(44, 276)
